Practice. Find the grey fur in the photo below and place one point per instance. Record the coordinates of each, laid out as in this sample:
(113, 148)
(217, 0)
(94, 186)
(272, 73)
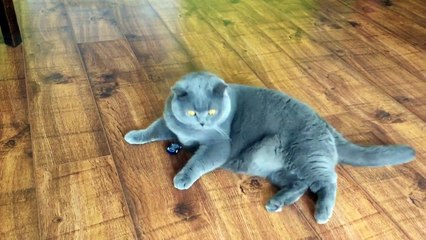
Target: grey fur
(260, 132)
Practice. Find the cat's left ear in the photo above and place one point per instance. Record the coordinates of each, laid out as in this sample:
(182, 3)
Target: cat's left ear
(219, 88)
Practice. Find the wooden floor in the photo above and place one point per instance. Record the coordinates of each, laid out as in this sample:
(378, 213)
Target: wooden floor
(91, 70)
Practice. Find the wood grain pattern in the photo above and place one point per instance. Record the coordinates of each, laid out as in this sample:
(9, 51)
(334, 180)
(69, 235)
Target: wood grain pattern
(93, 21)
(18, 204)
(96, 69)
(11, 64)
(395, 23)
(79, 193)
(41, 16)
(413, 11)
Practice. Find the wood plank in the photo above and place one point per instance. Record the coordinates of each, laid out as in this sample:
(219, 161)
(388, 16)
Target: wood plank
(11, 63)
(93, 21)
(398, 25)
(18, 204)
(411, 10)
(159, 51)
(82, 199)
(368, 33)
(72, 115)
(121, 60)
(330, 23)
(79, 193)
(376, 67)
(53, 48)
(40, 16)
(133, 26)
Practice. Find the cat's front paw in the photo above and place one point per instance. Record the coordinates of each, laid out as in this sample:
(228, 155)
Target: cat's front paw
(182, 181)
(135, 137)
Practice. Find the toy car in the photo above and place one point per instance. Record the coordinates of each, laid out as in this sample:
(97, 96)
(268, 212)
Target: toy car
(174, 148)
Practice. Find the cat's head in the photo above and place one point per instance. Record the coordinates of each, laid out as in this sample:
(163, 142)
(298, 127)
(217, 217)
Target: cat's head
(201, 100)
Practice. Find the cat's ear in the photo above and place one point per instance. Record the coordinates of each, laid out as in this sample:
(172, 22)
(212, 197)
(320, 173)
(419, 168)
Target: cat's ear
(179, 92)
(219, 88)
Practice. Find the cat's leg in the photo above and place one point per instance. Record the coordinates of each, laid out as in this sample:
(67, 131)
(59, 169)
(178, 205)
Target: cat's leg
(157, 131)
(315, 157)
(205, 159)
(326, 193)
(287, 195)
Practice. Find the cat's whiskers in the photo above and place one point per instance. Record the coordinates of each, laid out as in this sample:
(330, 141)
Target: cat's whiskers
(217, 128)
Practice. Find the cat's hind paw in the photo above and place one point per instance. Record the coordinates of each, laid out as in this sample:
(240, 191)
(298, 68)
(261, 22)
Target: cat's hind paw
(322, 215)
(274, 206)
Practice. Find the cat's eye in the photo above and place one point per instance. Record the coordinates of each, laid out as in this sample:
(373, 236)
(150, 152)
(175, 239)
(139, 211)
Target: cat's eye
(212, 112)
(191, 113)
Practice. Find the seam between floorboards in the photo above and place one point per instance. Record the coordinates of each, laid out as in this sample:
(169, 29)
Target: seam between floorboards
(29, 119)
(362, 72)
(99, 116)
(137, 232)
(415, 45)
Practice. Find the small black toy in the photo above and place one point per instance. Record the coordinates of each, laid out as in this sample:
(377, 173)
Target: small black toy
(174, 148)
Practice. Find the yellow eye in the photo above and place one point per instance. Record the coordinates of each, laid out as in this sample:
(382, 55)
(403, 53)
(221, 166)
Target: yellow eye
(191, 113)
(212, 112)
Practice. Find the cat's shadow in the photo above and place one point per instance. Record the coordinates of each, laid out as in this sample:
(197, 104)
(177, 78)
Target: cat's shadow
(180, 159)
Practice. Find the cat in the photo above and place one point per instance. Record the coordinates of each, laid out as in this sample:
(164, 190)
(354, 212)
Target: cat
(260, 132)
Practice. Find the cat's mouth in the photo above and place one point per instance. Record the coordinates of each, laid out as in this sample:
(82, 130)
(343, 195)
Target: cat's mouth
(201, 126)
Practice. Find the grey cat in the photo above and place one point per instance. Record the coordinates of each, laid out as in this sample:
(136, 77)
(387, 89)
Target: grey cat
(260, 132)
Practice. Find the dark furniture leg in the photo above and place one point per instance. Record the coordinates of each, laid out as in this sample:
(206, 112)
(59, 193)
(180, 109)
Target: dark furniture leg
(9, 23)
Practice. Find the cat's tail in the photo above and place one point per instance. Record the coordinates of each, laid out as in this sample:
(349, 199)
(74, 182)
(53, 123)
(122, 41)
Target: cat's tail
(373, 156)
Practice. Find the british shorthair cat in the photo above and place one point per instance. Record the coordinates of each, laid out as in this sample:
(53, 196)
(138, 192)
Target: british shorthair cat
(260, 132)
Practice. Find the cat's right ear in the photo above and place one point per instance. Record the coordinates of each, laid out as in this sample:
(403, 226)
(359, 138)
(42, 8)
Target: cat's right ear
(179, 92)
(219, 88)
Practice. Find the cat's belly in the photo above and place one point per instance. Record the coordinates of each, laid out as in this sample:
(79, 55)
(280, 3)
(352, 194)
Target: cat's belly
(265, 158)
(263, 167)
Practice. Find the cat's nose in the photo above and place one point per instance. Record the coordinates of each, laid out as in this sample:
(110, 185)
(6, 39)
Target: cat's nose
(202, 124)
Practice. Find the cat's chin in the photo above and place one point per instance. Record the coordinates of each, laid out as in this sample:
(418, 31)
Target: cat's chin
(202, 128)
